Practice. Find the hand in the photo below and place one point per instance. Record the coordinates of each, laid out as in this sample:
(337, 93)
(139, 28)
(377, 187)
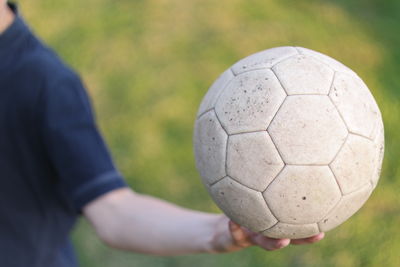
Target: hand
(231, 237)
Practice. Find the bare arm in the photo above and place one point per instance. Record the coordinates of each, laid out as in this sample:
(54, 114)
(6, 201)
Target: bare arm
(126, 220)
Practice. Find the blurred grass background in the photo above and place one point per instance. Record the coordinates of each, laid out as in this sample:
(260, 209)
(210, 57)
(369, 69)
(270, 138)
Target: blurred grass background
(147, 65)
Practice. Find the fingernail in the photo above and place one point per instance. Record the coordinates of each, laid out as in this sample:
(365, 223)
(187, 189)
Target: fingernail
(321, 236)
(283, 243)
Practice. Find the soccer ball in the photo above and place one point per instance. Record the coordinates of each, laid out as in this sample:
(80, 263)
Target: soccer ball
(289, 142)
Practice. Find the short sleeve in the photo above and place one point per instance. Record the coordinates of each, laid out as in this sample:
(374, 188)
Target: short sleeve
(74, 145)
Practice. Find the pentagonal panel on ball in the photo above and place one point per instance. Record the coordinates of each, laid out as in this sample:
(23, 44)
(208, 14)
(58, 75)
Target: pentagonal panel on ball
(253, 160)
(307, 130)
(242, 204)
(213, 92)
(355, 164)
(302, 194)
(356, 104)
(264, 59)
(292, 231)
(347, 206)
(250, 101)
(304, 75)
(210, 147)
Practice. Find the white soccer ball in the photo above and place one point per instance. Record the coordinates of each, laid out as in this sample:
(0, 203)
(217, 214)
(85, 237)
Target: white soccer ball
(289, 142)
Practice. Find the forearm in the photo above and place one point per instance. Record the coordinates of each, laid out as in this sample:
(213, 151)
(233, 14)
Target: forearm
(145, 224)
(140, 223)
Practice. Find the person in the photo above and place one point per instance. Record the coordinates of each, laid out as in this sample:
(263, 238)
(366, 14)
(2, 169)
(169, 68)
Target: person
(55, 167)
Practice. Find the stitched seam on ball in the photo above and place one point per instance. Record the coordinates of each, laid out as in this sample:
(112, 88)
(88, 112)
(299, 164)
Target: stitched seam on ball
(242, 184)
(267, 68)
(316, 94)
(205, 112)
(218, 94)
(284, 165)
(273, 142)
(342, 145)
(266, 202)
(331, 86)
(258, 68)
(359, 189)
(317, 164)
(280, 83)
(219, 180)
(226, 145)
(220, 123)
(363, 136)
(270, 210)
(337, 182)
(341, 198)
(293, 224)
(271, 226)
(329, 212)
(202, 114)
(284, 58)
(338, 111)
(257, 131)
(226, 156)
(224, 88)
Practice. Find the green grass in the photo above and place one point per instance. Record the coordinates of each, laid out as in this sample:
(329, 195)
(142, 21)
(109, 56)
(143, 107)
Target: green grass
(147, 65)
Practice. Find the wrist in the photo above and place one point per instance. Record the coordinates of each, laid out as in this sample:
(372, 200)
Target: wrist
(220, 239)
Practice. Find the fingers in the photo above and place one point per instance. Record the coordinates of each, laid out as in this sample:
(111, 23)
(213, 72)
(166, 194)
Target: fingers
(243, 238)
(308, 240)
(270, 243)
(274, 244)
(239, 235)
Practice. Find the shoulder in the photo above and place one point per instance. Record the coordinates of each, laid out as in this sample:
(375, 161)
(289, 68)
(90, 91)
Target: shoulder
(39, 67)
(47, 84)
(47, 66)
(51, 80)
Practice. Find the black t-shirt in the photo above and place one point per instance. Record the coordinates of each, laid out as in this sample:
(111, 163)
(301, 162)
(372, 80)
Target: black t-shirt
(53, 160)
